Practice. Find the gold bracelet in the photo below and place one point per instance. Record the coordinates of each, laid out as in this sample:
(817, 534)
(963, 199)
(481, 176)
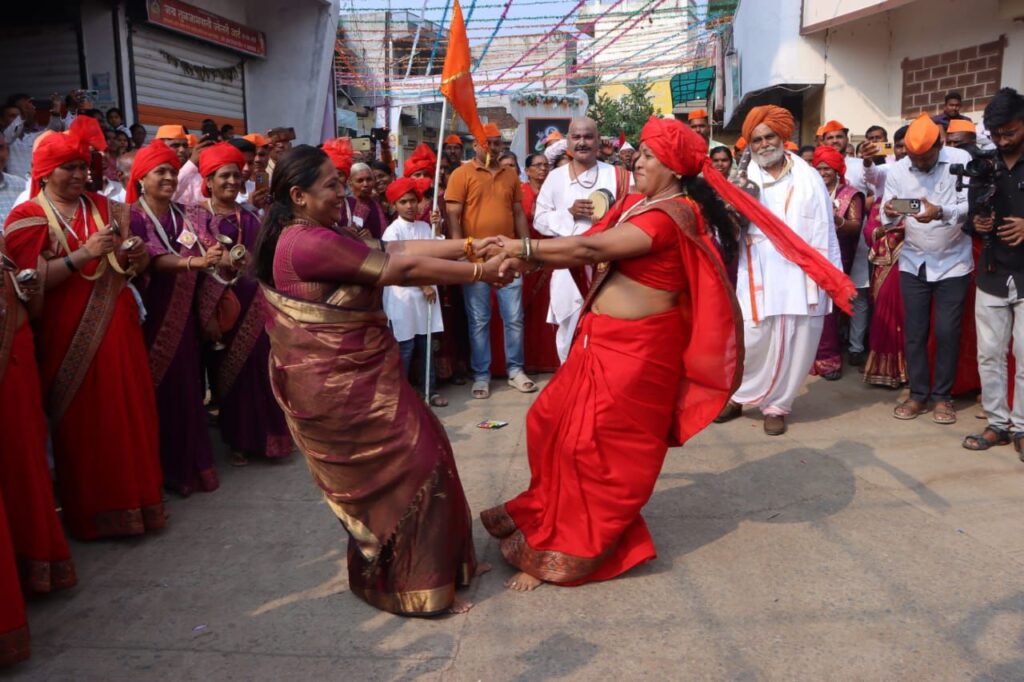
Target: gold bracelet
(188, 264)
(467, 248)
(478, 272)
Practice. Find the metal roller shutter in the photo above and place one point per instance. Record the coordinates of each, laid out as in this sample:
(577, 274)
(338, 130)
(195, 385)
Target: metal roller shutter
(39, 60)
(166, 94)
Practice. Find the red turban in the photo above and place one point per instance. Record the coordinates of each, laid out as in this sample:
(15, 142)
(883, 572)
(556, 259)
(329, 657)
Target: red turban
(831, 156)
(402, 186)
(154, 154)
(422, 159)
(76, 144)
(776, 118)
(340, 153)
(215, 157)
(684, 152)
(453, 139)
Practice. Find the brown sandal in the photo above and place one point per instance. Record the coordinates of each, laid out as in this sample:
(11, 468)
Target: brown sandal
(944, 413)
(909, 409)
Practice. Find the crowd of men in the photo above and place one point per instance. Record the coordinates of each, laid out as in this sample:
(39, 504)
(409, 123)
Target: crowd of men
(929, 228)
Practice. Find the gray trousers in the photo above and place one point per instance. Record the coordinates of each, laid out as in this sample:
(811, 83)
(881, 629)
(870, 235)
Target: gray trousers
(998, 319)
(859, 321)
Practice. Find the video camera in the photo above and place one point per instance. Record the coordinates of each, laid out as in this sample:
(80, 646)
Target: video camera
(985, 171)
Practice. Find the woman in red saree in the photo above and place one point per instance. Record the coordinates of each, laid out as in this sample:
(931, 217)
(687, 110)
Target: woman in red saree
(14, 639)
(538, 334)
(657, 353)
(886, 364)
(92, 359)
(250, 421)
(376, 450)
(172, 329)
(41, 549)
(848, 202)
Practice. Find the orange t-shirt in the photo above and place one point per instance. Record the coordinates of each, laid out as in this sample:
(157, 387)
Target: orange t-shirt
(487, 199)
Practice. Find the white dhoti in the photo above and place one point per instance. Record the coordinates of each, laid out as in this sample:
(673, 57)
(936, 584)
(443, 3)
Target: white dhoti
(779, 353)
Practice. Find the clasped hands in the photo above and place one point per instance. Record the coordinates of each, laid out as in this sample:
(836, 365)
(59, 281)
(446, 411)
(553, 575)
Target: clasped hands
(508, 253)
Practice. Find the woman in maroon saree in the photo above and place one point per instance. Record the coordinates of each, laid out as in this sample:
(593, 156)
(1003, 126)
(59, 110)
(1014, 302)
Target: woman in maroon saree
(380, 456)
(171, 328)
(251, 423)
(886, 364)
(848, 202)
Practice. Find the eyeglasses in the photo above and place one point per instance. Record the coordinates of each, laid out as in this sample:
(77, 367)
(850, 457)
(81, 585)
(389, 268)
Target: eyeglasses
(1005, 135)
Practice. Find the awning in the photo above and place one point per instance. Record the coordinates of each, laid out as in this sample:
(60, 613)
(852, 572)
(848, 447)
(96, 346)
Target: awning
(692, 85)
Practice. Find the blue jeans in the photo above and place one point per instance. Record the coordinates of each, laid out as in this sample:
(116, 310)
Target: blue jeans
(477, 297)
(417, 345)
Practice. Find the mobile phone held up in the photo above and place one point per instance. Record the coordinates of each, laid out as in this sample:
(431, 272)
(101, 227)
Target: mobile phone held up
(906, 206)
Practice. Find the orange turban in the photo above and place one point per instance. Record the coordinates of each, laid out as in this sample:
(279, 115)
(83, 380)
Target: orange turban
(491, 130)
(830, 156)
(696, 113)
(193, 140)
(340, 153)
(741, 144)
(154, 154)
(791, 146)
(453, 139)
(422, 159)
(56, 149)
(831, 127)
(257, 139)
(960, 125)
(402, 186)
(776, 118)
(215, 157)
(677, 146)
(921, 135)
(170, 132)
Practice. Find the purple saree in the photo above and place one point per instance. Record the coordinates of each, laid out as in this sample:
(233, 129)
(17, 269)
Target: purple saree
(849, 202)
(171, 332)
(378, 453)
(250, 420)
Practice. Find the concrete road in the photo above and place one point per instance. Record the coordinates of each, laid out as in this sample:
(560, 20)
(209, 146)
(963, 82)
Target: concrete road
(855, 547)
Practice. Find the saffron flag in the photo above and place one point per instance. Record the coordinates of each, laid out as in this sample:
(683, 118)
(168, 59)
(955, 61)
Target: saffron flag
(456, 79)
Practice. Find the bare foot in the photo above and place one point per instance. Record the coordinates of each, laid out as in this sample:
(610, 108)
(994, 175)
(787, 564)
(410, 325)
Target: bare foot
(460, 606)
(523, 582)
(481, 568)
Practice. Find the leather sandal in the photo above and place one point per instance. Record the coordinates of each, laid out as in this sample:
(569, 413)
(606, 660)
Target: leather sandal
(729, 412)
(982, 441)
(1017, 438)
(944, 413)
(909, 409)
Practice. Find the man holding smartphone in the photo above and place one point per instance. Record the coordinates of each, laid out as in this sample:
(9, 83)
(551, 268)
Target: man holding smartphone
(935, 264)
(999, 306)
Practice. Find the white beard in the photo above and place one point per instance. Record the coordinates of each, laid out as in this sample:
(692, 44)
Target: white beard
(770, 159)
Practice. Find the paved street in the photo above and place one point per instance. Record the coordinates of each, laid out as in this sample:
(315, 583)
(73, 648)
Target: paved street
(854, 547)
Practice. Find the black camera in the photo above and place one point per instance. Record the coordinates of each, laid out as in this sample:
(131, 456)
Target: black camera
(985, 171)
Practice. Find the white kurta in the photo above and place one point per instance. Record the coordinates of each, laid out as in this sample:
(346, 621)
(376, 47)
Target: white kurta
(551, 217)
(782, 323)
(406, 307)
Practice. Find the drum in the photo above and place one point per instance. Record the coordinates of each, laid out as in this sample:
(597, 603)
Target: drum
(602, 200)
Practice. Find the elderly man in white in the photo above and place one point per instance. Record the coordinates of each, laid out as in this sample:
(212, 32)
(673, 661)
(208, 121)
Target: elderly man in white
(563, 209)
(783, 309)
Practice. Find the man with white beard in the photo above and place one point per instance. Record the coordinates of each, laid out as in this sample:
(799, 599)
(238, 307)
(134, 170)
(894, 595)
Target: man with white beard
(564, 209)
(783, 309)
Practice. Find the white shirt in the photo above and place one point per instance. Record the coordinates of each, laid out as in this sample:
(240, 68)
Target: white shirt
(10, 188)
(801, 200)
(406, 307)
(551, 217)
(941, 246)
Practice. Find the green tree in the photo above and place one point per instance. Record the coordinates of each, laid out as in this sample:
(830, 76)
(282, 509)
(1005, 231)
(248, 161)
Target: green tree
(628, 113)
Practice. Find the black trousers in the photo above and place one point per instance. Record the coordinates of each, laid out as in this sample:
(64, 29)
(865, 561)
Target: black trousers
(918, 296)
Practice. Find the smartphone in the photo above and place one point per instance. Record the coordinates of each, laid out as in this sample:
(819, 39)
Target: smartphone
(884, 148)
(361, 144)
(907, 206)
(262, 180)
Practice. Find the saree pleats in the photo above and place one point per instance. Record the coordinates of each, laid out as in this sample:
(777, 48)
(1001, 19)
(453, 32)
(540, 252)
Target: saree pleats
(378, 454)
(14, 639)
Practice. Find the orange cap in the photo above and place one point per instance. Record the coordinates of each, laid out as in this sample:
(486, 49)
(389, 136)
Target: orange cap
(831, 127)
(921, 135)
(257, 139)
(453, 139)
(170, 132)
(696, 113)
(741, 144)
(961, 125)
(491, 130)
(791, 146)
(553, 136)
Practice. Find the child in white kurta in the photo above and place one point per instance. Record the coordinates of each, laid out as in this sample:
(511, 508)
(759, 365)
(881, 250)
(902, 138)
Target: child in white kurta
(406, 307)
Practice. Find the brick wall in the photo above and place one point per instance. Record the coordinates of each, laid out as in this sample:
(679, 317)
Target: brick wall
(975, 72)
(498, 116)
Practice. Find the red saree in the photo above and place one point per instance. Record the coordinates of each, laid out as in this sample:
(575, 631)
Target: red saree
(14, 640)
(887, 362)
(376, 450)
(40, 547)
(598, 433)
(95, 378)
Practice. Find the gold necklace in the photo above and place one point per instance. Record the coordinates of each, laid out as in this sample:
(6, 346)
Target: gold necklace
(578, 181)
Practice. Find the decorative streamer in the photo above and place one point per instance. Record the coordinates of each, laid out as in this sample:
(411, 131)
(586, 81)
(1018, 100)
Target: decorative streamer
(437, 37)
(497, 26)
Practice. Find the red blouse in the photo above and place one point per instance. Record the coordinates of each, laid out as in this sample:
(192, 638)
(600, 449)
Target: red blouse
(662, 267)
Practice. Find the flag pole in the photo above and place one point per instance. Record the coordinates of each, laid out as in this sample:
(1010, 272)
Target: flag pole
(433, 234)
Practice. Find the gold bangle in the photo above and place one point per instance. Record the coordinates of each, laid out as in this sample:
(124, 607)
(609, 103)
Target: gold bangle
(478, 272)
(188, 264)
(467, 248)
